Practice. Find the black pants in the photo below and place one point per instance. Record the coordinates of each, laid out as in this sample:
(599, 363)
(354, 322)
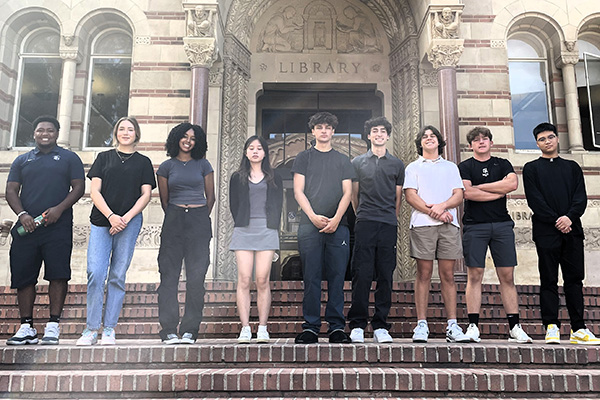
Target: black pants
(185, 236)
(566, 250)
(374, 256)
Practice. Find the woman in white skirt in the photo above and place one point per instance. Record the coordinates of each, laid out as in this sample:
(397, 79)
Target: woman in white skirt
(255, 201)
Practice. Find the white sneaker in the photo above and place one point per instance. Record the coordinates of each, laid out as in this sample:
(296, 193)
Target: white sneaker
(552, 334)
(171, 338)
(473, 333)
(25, 335)
(262, 336)
(51, 333)
(517, 334)
(245, 335)
(455, 334)
(584, 336)
(357, 335)
(187, 338)
(421, 333)
(88, 338)
(382, 335)
(109, 337)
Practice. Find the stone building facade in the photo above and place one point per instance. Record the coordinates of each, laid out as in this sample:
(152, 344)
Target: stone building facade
(244, 67)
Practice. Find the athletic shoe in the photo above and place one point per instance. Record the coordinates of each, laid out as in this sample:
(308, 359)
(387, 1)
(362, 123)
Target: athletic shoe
(307, 337)
(339, 336)
(25, 335)
(473, 333)
(262, 336)
(109, 337)
(517, 334)
(357, 335)
(51, 333)
(171, 338)
(245, 335)
(382, 335)
(421, 333)
(552, 334)
(88, 338)
(584, 336)
(187, 338)
(455, 334)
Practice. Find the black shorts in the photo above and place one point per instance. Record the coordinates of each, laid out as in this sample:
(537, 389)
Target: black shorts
(52, 245)
(499, 236)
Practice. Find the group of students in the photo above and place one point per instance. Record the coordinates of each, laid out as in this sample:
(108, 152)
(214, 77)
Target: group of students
(48, 180)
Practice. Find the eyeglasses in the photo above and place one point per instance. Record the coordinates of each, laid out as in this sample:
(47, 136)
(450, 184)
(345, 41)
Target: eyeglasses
(545, 138)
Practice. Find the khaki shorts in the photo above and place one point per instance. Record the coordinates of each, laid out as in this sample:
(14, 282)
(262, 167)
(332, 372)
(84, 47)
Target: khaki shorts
(438, 242)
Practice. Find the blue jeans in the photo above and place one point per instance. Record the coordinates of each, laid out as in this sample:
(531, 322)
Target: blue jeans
(329, 253)
(108, 255)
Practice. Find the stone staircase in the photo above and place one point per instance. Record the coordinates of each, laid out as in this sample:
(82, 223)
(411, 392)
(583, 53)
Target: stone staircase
(140, 367)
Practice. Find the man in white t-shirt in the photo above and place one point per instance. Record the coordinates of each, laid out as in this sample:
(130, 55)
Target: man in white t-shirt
(434, 189)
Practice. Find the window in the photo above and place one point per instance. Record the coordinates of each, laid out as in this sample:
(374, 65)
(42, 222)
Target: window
(108, 91)
(39, 83)
(587, 72)
(528, 75)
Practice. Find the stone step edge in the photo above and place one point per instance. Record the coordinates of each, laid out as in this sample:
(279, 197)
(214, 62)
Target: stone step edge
(287, 380)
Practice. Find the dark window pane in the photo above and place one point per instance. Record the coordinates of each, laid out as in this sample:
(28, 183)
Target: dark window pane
(109, 100)
(39, 95)
(529, 101)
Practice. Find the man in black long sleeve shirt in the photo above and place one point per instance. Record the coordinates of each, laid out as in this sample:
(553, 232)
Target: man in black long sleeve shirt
(555, 191)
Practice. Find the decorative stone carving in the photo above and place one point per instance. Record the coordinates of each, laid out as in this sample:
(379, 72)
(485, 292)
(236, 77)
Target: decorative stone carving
(567, 58)
(70, 54)
(68, 40)
(142, 40)
(201, 52)
(429, 78)
(200, 21)
(356, 33)
(215, 77)
(570, 45)
(149, 237)
(445, 23)
(283, 32)
(444, 54)
(497, 44)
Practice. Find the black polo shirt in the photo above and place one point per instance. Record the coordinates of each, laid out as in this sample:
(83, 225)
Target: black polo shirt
(46, 179)
(378, 178)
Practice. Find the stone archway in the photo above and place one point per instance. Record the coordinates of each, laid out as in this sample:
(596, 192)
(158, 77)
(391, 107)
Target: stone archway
(399, 29)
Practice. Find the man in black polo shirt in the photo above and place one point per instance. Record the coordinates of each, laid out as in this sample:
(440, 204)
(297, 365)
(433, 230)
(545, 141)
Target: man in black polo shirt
(47, 181)
(376, 197)
(486, 223)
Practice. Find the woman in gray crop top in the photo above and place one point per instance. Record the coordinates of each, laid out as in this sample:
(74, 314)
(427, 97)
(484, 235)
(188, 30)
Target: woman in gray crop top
(255, 200)
(187, 196)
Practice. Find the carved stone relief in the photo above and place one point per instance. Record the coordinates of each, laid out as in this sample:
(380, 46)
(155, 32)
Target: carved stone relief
(200, 51)
(319, 27)
(445, 55)
(200, 21)
(445, 23)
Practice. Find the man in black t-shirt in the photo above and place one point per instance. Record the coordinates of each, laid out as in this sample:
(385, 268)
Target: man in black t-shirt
(486, 223)
(322, 188)
(47, 181)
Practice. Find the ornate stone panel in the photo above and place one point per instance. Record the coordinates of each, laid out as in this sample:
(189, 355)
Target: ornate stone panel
(233, 134)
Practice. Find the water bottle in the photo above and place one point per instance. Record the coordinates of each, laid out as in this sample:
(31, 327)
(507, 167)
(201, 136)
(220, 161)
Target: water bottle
(40, 220)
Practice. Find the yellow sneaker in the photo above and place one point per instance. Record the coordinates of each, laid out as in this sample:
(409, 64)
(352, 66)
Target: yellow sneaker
(552, 334)
(584, 336)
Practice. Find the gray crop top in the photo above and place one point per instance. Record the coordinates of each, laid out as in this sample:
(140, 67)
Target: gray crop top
(186, 180)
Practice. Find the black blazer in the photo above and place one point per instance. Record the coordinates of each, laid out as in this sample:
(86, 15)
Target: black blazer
(239, 201)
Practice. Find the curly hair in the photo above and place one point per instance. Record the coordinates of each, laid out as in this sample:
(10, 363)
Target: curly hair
(478, 130)
(378, 121)
(178, 132)
(433, 129)
(322, 118)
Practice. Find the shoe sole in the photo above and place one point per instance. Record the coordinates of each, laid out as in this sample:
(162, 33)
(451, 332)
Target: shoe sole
(171, 341)
(512, 340)
(187, 341)
(262, 340)
(552, 341)
(382, 341)
(586, 343)
(24, 342)
(244, 341)
(458, 341)
(474, 340)
(110, 343)
(49, 342)
(419, 340)
(357, 341)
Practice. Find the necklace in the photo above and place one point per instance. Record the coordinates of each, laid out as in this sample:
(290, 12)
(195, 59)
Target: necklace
(123, 159)
(184, 162)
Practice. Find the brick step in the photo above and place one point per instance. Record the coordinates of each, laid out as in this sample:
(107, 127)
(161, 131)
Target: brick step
(212, 312)
(289, 381)
(280, 353)
(283, 329)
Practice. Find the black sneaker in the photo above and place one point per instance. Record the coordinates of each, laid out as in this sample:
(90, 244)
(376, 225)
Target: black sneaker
(171, 338)
(307, 337)
(339, 336)
(25, 335)
(187, 338)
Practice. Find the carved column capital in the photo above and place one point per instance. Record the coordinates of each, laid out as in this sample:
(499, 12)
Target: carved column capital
(568, 54)
(445, 52)
(444, 21)
(70, 53)
(201, 52)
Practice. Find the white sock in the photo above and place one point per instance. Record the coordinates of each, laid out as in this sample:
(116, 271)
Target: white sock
(262, 328)
(424, 321)
(452, 321)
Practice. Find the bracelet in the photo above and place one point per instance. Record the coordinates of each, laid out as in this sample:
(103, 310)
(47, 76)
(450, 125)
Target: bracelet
(22, 213)
(111, 214)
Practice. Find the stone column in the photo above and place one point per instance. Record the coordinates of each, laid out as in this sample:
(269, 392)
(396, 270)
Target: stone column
(566, 61)
(200, 48)
(444, 53)
(71, 57)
